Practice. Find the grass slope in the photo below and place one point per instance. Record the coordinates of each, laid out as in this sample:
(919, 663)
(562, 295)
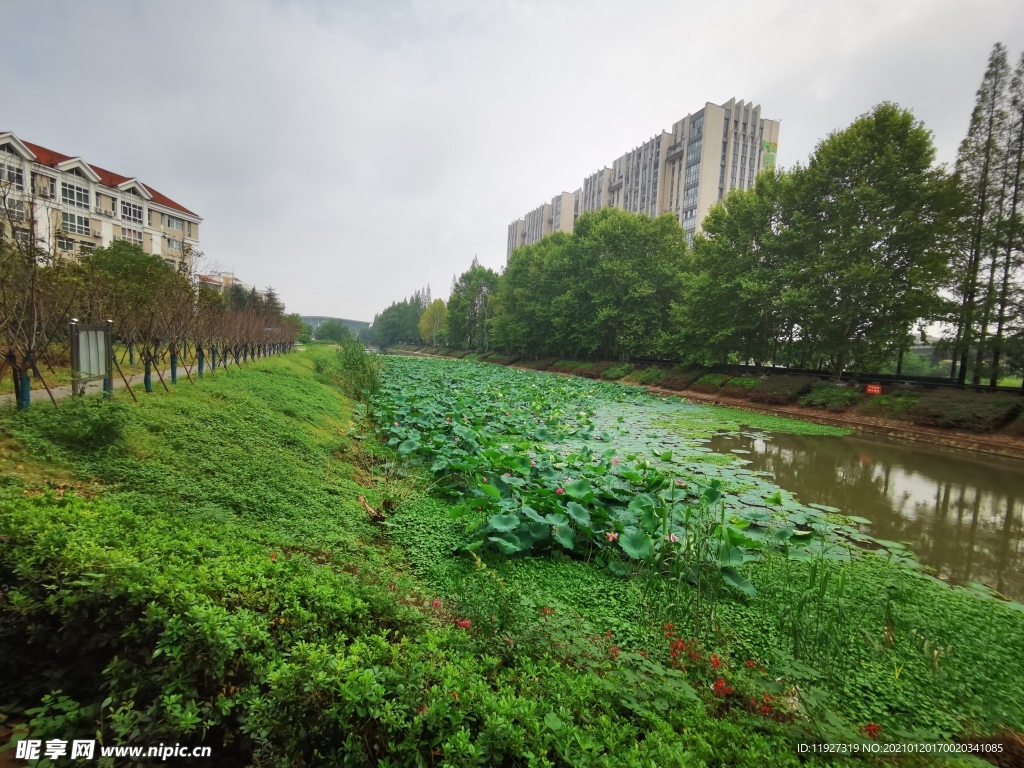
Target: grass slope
(205, 573)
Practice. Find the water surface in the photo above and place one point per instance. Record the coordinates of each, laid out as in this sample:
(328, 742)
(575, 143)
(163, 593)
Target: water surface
(961, 513)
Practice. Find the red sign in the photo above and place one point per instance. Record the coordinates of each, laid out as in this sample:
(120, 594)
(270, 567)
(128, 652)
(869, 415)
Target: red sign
(873, 389)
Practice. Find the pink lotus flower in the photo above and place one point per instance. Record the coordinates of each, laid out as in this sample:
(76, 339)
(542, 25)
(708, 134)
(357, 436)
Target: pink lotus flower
(533, 463)
(611, 536)
(484, 479)
(678, 481)
(559, 491)
(447, 418)
(673, 538)
(615, 461)
(395, 424)
(507, 474)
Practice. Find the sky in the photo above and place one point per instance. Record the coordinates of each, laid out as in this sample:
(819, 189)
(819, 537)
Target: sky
(350, 153)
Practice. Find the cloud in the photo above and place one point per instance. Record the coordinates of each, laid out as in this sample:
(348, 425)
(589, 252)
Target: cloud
(350, 153)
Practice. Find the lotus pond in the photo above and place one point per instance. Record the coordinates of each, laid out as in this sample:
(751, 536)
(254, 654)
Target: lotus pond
(628, 514)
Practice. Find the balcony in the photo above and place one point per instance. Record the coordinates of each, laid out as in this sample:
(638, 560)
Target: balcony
(615, 185)
(675, 150)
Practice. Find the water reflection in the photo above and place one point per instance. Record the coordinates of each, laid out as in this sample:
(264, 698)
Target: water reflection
(962, 514)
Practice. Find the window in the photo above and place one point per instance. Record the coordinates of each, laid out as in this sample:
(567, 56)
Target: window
(171, 262)
(173, 223)
(694, 151)
(189, 228)
(15, 209)
(690, 198)
(149, 217)
(76, 224)
(85, 246)
(174, 245)
(11, 177)
(65, 244)
(74, 195)
(131, 212)
(131, 235)
(692, 173)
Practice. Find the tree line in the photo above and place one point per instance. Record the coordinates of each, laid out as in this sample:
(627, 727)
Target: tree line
(838, 264)
(161, 314)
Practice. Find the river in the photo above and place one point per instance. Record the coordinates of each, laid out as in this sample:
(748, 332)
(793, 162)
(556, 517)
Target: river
(961, 513)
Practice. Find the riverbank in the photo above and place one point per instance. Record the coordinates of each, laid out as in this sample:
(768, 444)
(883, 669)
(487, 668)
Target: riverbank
(999, 444)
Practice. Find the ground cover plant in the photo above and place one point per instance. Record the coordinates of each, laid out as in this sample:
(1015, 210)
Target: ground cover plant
(651, 375)
(740, 386)
(544, 475)
(895, 405)
(832, 397)
(973, 411)
(680, 377)
(616, 372)
(710, 383)
(241, 596)
(244, 595)
(780, 390)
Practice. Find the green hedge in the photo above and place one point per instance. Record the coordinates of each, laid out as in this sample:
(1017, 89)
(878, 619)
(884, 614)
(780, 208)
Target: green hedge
(895, 405)
(680, 378)
(710, 382)
(971, 411)
(652, 375)
(616, 372)
(740, 386)
(832, 397)
(780, 390)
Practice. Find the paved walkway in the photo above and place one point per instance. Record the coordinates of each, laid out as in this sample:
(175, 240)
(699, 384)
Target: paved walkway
(38, 394)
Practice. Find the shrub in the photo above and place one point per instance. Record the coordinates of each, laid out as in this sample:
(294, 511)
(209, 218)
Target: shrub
(617, 372)
(681, 378)
(782, 389)
(972, 411)
(539, 364)
(740, 386)
(575, 367)
(710, 382)
(651, 375)
(896, 405)
(352, 370)
(832, 397)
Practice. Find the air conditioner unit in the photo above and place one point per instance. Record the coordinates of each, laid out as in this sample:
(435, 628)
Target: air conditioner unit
(95, 233)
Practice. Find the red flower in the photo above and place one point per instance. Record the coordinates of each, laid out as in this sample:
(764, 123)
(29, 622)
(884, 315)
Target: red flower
(766, 710)
(463, 623)
(749, 664)
(614, 651)
(871, 730)
(715, 661)
(436, 603)
(547, 611)
(643, 653)
(720, 688)
(559, 491)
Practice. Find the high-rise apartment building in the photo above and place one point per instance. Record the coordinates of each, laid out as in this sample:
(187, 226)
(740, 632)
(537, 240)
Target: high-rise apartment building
(68, 205)
(707, 154)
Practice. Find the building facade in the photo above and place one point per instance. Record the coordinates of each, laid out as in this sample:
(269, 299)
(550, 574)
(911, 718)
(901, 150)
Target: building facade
(683, 172)
(66, 206)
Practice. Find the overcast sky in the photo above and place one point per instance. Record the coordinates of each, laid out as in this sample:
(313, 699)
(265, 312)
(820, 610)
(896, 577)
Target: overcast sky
(348, 153)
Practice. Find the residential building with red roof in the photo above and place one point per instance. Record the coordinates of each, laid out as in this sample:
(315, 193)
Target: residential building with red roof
(67, 205)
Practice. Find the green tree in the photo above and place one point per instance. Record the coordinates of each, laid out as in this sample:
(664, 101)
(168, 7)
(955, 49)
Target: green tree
(865, 238)
(432, 322)
(977, 168)
(334, 330)
(730, 300)
(469, 307)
